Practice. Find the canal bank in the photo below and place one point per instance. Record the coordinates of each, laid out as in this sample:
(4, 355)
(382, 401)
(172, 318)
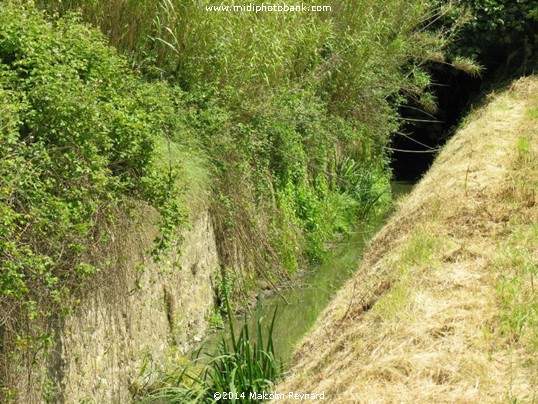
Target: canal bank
(443, 307)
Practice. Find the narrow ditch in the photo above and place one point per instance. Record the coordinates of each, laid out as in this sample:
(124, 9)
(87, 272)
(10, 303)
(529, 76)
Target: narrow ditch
(298, 307)
(413, 151)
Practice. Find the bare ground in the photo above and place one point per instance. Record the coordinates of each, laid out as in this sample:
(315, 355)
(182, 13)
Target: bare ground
(443, 308)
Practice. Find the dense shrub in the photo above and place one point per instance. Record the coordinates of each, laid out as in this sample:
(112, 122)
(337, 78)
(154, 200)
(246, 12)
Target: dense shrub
(499, 33)
(77, 141)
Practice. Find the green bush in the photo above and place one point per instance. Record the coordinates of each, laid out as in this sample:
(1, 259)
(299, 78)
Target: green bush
(499, 33)
(77, 141)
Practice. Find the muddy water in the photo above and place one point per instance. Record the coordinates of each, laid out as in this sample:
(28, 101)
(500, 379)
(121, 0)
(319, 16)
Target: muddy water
(298, 307)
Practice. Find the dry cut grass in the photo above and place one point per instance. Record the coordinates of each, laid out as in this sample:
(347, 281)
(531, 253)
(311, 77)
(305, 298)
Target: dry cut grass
(444, 307)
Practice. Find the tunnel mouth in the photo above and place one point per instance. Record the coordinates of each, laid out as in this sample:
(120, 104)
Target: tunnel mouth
(422, 133)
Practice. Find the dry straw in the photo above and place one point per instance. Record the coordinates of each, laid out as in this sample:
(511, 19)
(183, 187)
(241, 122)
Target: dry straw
(443, 308)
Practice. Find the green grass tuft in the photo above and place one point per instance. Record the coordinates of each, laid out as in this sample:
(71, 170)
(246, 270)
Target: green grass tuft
(241, 365)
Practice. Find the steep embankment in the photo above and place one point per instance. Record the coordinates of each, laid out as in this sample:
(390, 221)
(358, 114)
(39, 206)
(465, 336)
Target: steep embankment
(443, 307)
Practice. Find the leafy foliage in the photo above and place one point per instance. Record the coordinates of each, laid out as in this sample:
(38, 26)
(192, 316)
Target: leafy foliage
(278, 101)
(77, 141)
(499, 32)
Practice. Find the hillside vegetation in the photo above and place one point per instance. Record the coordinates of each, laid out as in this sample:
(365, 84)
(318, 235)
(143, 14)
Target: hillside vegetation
(293, 109)
(444, 308)
(79, 149)
(275, 123)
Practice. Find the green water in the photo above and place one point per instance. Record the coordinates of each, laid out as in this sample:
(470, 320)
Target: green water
(299, 307)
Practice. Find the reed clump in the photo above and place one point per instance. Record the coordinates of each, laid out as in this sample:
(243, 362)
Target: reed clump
(240, 366)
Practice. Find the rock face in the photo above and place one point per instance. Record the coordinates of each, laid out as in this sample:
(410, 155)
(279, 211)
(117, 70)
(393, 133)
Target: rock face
(135, 319)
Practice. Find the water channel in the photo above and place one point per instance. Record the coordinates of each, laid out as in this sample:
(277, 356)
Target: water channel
(299, 307)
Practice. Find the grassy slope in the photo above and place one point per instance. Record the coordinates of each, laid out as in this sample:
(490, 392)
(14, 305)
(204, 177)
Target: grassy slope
(444, 307)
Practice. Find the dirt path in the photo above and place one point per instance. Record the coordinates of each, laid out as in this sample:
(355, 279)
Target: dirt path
(444, 307)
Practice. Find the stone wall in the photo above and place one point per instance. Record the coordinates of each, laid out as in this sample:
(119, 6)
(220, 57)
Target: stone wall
(135, 319)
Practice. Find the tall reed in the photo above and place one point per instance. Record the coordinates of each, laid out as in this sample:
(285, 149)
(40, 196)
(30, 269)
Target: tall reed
(352, 55)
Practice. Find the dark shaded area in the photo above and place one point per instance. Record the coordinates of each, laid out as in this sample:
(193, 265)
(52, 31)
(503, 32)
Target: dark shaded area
(503, 38)
(423, 132)
(457, 93)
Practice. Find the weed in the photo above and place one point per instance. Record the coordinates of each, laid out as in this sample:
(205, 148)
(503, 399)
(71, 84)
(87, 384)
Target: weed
(242, 365)
(421, 248)
(532, 113)
(215, 320)
(518, 280)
